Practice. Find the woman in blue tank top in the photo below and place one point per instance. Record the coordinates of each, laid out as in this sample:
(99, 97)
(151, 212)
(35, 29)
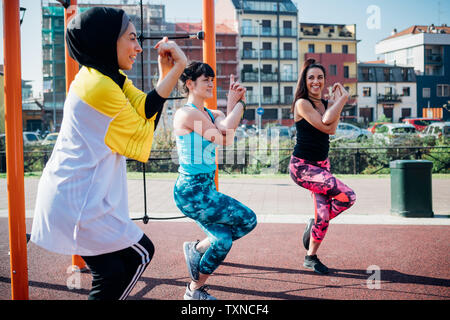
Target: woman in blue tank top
(198, 131)
(309, 166)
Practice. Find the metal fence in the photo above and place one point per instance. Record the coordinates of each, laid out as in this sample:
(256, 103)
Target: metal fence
(344, 160)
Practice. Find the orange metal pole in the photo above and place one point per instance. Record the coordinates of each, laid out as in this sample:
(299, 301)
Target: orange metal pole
(209, 57)
(14, 150)
(71, 70)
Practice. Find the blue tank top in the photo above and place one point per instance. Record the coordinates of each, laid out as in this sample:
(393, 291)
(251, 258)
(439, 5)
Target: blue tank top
(195, 153)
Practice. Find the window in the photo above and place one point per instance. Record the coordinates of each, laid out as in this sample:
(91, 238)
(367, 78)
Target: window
(406, 91)
(366, 91)
(409, 57)
(426, 92)
(218, 69)
(287, 46)
(267, 91)
(333, 70)
(443, 90)
(328, 48)
(287, 24)
(311, 48)
(344, 48)
(346, 72)
(406, 112)
(388, 91)
(267, 68)
(247, 68)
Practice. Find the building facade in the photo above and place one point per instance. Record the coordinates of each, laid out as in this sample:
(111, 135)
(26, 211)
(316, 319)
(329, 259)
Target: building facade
(385, 90)
(427, 50)
(268, 55)
(334, 46)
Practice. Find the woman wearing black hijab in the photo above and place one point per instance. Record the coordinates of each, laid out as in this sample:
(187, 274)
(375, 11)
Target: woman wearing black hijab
(82, 200)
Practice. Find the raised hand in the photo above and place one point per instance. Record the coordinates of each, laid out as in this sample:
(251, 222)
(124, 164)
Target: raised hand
(236, 92)
(171, 51)
(339, 91)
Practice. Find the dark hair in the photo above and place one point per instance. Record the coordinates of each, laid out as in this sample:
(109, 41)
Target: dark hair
(302, 91)
(194, 70)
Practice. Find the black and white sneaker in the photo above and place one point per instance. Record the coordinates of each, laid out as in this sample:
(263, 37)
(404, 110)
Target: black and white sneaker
(313, 263)
(307, 233)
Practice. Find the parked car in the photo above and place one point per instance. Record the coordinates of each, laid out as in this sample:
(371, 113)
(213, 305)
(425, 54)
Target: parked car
(29, 138)
(250, 129)
(437, 130)
(240, 134)
(276, 132)
(347, 131)
(395, 133)
(50, 139)
(375, 125)
(421, 123)
(293, 131)
(2, 142)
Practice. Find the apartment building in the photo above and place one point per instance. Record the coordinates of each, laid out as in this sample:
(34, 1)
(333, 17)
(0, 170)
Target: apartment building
(427, 50)
(268, 53)
(334, 46)
(385, 89)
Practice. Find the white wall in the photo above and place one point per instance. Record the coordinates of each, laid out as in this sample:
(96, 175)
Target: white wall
(379, 88)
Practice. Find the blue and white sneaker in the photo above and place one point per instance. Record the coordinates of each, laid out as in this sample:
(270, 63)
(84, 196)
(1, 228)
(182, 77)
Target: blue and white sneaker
(192, 257)
(199, 294)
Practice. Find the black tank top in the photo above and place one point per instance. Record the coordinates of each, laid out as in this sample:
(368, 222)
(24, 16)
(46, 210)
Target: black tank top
(312, 144)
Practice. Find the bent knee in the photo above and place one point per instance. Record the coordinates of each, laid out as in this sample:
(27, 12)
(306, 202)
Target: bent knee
(222, 244)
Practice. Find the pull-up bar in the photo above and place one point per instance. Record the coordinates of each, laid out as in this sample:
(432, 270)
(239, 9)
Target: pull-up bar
(199, 35)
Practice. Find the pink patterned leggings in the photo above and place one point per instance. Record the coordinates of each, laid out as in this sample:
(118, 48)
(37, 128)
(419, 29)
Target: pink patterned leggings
(331, 196)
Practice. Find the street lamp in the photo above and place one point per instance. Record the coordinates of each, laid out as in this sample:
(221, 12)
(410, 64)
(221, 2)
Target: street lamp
(259, 74)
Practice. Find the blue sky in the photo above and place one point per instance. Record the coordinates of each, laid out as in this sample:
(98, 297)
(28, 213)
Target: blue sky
(399, 14)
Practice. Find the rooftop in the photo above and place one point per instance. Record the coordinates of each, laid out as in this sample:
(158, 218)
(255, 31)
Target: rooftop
(286, 6)
(420, 29)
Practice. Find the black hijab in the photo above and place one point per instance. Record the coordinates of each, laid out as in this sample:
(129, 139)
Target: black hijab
(92, 40)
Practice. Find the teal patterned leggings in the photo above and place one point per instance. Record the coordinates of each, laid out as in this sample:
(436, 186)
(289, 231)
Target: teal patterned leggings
(221, 217)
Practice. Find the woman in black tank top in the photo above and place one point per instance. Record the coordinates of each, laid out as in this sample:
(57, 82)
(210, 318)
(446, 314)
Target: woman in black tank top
(315, 119)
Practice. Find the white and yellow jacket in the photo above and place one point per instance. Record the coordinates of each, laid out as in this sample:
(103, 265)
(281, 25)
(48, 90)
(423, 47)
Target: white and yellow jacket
(82, 199)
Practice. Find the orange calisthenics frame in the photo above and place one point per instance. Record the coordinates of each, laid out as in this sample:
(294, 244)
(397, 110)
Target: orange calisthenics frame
(14, 137)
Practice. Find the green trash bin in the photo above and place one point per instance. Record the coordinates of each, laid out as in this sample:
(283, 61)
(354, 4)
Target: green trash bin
(411, 194)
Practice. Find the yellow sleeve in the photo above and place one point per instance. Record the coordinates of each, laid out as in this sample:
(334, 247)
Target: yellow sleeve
(129, 133)
(135, 96)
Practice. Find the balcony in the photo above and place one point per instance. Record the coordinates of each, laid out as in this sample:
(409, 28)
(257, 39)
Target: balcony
(253, 99)
(288, 54)
(252, 76)
(268, 32)
(434, 58)
(265, 54)
(253, 32)
(389, 98)
(289, 76)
